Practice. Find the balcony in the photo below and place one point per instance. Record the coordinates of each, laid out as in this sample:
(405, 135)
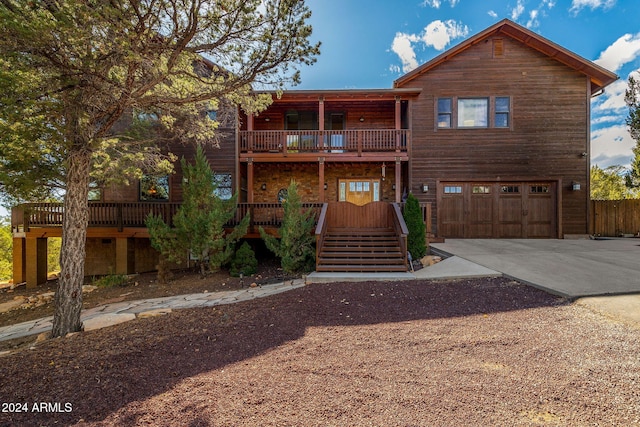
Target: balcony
(329, 143)
(33, 217)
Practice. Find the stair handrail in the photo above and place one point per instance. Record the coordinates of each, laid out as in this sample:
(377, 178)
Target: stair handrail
(321, 229)
(401, 229)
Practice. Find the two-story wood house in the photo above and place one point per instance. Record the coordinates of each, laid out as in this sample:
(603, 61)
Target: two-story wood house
(493, 136)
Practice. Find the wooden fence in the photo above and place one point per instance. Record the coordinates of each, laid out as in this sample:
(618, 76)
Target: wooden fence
(615, 218)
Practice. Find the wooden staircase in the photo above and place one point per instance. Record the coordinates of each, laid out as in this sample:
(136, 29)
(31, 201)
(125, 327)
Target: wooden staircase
(361, 250)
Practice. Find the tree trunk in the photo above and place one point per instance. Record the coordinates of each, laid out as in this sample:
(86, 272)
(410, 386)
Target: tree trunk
(68, 298)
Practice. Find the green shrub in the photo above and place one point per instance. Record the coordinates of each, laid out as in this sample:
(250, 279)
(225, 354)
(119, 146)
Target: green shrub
(416, 241)
(111, 281)
(296, 245)
(244, 261)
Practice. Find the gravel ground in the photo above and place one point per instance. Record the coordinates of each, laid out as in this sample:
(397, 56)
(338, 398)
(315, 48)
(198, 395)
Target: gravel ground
(463, 353)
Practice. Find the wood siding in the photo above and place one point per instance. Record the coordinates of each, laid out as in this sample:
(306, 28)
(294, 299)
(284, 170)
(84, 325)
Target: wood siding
(548, 133)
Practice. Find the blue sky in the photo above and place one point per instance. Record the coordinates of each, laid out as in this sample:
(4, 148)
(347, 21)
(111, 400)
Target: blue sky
(370, 43)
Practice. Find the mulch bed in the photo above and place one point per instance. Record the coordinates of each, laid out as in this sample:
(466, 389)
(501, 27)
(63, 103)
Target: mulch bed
(469, 352)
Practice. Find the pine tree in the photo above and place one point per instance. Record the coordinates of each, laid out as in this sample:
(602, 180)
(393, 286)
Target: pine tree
(72, 71)
(296, 245)
(416, 241)
(632, 98)
(199, 225)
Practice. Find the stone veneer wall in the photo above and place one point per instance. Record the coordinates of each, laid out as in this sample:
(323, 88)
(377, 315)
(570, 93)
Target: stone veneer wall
(278, 175)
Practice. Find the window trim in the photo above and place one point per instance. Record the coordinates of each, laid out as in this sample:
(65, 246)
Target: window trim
(491, 112)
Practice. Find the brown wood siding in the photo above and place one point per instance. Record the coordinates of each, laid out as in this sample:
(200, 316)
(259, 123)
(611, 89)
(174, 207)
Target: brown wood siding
(549, 126)
(376, 114)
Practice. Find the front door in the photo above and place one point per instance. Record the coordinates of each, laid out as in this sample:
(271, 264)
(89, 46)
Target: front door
(359, 191)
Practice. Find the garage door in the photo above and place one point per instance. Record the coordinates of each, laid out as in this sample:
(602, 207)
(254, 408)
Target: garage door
(497, 210)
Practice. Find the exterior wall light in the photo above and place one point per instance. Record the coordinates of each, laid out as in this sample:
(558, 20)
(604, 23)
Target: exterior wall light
(263, 186)
(575, 186)
(425, 188)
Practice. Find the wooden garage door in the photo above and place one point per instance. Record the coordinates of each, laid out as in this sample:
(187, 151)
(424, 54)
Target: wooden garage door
(497, 210)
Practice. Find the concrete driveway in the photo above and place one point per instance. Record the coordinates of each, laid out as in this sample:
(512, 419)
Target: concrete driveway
(571, 268)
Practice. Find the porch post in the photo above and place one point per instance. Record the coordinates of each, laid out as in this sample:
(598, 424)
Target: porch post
(398, 180)
(250, 180)
(321, 196)
(124, 258)
(398, 116)
(19, 260)
(36, 268)
(321, 113)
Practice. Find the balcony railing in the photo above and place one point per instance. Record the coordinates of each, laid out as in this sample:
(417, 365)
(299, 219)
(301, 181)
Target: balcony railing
(120, 215)
(324, 141)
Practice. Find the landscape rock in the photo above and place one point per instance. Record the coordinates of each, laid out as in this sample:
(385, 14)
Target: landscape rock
(89, 288)
(10, 305)
(105, 320)
(430, 260)
(154, 313)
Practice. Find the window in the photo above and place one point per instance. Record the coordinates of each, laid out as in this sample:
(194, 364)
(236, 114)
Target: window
(502, 112)
(444, 112)
(473, 113)
(539, 189)
(223, 185)
(510, 189)
(453, 189)
(95, 192)
(154, 188)
(481, 189)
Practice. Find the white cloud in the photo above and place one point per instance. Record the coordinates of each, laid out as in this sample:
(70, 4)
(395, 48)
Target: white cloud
(517, 11)
(437, 3)
(437, 34)
(612, 101)
(611, 146)
(624, 50)
(533, 19)
(605, 119)
(492, 14)
(402, 46)
(578, 5)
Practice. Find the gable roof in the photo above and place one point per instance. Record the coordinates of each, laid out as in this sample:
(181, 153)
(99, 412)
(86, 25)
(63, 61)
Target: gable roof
(599, 76)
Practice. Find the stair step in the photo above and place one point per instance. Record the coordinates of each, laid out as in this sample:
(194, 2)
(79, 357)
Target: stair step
(361, 268)
(350, 261)
(394, 252)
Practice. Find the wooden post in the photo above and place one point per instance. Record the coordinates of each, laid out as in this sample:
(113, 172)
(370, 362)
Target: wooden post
(321, 196)
(398, 114)
(36, 255)
(250, 180)
(398, 181)
(125, 260)
(19, 260)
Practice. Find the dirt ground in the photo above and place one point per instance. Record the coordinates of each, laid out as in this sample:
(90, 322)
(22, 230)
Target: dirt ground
(140, 286)
(464, 353)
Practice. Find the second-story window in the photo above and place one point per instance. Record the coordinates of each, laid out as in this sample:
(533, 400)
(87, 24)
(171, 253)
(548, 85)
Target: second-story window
(473, 112)
(445, 113)
(502, 112)
(223, 185)
(154, 188)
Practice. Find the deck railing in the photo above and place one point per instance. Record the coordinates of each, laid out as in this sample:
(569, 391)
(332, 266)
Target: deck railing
(325, 141)
(122, 215)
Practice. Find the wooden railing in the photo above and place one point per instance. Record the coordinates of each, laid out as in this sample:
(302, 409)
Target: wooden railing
(321, 229)
(398, 224)
(614, 218)
(133, 214)
(371, 215)
(326, 141)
